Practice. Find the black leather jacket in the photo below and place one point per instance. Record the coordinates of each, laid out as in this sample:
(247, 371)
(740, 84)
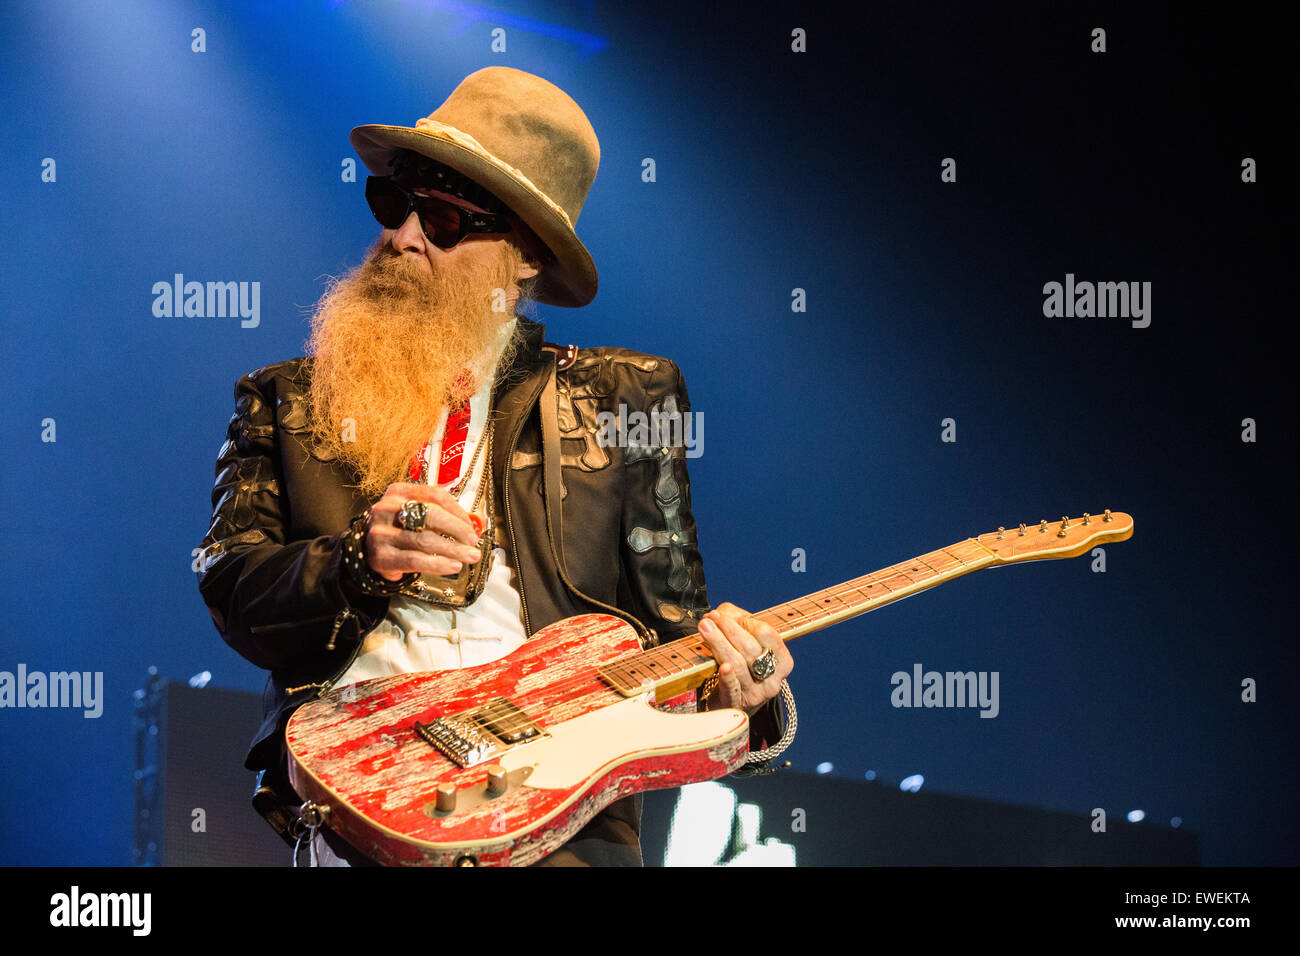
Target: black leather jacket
(270, 565)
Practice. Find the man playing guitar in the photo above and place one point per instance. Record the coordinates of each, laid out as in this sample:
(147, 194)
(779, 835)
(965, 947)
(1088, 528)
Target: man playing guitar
(383, 506)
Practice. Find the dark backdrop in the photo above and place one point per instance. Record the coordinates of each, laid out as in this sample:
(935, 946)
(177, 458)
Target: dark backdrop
(775, 170)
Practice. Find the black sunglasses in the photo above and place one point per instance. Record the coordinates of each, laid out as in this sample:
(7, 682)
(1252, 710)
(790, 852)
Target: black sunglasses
(444, 223)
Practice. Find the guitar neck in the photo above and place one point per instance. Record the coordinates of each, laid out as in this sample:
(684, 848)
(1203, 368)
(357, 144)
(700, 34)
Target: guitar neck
(812, 612)
(684, 664)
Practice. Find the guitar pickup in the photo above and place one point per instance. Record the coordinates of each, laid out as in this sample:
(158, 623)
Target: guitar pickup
(475, 736)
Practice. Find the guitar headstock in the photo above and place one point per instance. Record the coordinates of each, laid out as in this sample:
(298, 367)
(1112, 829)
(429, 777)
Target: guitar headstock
(1066, 538)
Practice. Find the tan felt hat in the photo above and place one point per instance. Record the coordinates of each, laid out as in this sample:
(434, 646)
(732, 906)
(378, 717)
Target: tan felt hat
(525, 141)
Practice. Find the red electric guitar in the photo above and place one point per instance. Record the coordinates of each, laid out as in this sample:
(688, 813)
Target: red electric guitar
(501, 763)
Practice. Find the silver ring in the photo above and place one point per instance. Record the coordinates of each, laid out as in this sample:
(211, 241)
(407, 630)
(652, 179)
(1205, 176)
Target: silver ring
(764, 665)
(411, 517)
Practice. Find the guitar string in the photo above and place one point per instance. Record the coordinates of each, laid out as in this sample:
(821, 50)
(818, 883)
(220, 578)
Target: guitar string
(508, 714)
(504, 713)
(653, 656)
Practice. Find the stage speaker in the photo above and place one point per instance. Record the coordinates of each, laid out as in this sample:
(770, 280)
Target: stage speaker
(193, 796)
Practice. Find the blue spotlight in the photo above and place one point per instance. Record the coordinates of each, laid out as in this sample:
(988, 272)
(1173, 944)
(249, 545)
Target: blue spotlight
(825, 767)
(911, 784)
(1136, 816)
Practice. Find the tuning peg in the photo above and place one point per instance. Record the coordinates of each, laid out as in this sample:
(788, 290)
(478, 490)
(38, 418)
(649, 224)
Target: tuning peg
(1065, 523)
(1022, 531)
(1042, 526)
(1108, 517)
(1002, 532)
(1087, 518)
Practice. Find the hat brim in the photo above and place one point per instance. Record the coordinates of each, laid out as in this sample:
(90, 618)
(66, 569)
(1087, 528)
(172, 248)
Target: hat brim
(570, 280)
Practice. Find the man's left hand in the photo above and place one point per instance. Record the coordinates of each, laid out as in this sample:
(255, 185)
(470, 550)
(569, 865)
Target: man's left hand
(736, 640)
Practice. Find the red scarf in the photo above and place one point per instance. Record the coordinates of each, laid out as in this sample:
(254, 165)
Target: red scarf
(453, 440)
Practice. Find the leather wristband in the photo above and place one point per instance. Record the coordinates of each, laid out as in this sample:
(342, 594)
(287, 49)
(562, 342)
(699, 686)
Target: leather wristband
(354, 559)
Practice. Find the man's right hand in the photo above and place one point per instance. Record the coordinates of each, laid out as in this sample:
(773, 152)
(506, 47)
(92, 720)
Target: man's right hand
(391, 551)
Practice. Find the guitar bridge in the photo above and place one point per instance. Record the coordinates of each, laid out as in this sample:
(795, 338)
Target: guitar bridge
(478, 735)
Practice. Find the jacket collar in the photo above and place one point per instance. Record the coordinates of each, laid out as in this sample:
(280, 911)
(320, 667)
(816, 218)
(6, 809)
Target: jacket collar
(517, 387)
(526, 368)
(533, 335)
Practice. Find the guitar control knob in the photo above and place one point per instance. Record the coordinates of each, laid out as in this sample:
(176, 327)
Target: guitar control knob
(446, 797)
(498, 782)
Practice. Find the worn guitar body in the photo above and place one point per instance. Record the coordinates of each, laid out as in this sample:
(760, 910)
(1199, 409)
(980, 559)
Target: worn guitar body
(560, 739)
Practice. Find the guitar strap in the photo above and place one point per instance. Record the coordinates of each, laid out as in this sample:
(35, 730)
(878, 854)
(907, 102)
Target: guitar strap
(551, 465)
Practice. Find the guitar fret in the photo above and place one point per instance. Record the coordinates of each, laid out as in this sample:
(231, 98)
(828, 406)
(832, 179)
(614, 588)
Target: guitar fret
(810, 611)
(675, 659)
(804, 617)
(942, 561)
(831, 598)
(955, 557)
(635, 677)
(866, 592)
(702, 649)
(824, 604)
(612, 670)
(659, 663)
(855, 598)
(922, 570)
(897, 581)
(974, 551)
(619, 671)
(692, 659)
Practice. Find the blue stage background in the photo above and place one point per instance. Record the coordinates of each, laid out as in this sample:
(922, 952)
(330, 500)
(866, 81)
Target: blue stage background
(775, 170)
